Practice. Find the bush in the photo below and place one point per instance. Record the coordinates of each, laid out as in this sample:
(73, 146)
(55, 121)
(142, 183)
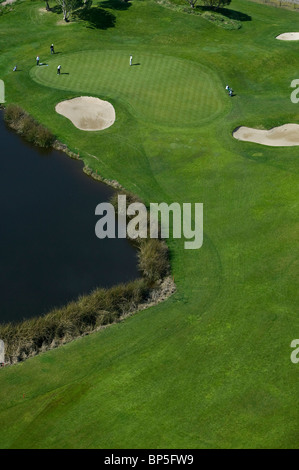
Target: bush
(25, 125)
(27, 128)
(153, 259)
(216, 4)
(101, 307)
(130, 199)
(13, 114)
(153, 253)
(43, 137)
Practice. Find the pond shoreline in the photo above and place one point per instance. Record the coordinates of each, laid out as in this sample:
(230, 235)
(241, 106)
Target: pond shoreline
(147, 293)
(157, 295)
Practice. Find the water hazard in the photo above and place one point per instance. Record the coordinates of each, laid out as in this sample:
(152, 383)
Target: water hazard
(49, 253)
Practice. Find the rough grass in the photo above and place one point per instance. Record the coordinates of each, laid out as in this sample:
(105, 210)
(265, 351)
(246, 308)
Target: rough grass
(285, 4)
(219, 18)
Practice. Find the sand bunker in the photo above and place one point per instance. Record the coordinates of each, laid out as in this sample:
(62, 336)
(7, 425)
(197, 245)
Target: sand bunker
(88, 113)
(288, 37)
(7, 2)
(283, 136)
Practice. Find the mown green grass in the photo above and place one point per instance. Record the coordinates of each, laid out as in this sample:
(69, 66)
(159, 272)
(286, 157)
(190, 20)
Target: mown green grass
(211, 366)
(160, 89)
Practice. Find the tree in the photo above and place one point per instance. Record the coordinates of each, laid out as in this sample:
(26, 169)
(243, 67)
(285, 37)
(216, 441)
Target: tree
(87, 3)
(192, 3)
(68, 6)
(215, 4)
(47, 5)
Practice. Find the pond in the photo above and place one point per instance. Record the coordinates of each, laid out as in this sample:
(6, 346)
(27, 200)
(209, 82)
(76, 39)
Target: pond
(49, 253)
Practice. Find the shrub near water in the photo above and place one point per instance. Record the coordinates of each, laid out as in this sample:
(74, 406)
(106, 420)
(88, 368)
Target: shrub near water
(101, 307)
(153, 259)
(43, 137)
(153, 253)
(27, 128)
(25, 125)
(13, 113)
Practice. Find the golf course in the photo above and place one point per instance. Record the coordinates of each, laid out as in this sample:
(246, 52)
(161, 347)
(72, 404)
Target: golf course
(210, 366)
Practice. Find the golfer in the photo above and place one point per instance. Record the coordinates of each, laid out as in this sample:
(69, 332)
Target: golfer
(37, 60)
(58, 69)
(15, 68)
(52, 49)
(131, 58)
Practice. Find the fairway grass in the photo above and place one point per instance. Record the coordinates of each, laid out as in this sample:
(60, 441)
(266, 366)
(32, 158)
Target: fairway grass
(210, 367)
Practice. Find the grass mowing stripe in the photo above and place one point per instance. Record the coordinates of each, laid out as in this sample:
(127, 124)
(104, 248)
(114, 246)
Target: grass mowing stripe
(161, 89)
(210, 367)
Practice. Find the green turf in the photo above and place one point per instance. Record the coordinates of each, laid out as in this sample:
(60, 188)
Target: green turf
(154, 90)
(211, 366)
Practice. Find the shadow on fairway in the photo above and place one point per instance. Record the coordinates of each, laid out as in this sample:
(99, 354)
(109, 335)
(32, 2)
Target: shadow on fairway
(56, 9)
(64, 73)
(231, 14)
(96, 17)
(116, 4)
(138, 63)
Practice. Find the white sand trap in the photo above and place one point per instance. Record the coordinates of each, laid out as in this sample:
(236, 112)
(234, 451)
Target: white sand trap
(7, 2)
(283, 136)
(88, 113)
(288, 37)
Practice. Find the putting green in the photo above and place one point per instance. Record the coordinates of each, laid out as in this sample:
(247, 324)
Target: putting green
(160, 89)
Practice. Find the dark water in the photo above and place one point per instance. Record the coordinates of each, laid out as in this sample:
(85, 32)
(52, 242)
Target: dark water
(49, 253)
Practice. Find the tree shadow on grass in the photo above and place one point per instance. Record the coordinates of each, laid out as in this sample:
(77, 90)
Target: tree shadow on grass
(115, 4)
(231, 14)
(96, 17)
(56, 9)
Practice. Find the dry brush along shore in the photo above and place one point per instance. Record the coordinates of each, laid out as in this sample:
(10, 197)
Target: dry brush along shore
(102, 307)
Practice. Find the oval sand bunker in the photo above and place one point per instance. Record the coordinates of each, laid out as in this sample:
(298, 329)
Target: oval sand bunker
(283, 136)
(87, 113)
(288, 37)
